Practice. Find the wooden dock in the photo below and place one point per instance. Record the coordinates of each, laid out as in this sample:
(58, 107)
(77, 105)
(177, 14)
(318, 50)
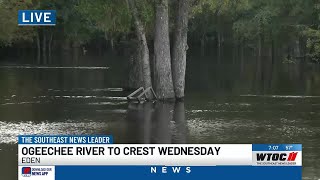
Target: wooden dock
(141, 95)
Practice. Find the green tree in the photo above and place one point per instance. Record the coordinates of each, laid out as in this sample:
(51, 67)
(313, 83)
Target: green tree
(10, 32)
(112, 18)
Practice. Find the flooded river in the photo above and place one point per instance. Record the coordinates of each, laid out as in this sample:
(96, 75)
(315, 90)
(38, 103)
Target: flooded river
(225, 103)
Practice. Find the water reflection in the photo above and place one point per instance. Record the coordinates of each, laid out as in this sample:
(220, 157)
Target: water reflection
(159, 122)
(181, 130)
(226, 102)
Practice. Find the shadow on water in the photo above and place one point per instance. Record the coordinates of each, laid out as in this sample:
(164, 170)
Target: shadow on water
(157, 122)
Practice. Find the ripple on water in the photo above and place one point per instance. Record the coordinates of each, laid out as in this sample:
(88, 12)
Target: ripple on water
(222, 130)
(217, 111)
(10, 130)
(107, 103)
(88, 89)
(20, 103)
(278, 96)
(93, 97)
(53, 67)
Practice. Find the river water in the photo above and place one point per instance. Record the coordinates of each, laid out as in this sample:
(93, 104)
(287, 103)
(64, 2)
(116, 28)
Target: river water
(225, 103)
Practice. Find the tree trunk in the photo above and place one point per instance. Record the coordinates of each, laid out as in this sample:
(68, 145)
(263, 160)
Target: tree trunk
(44, 43)
(143, 59)
(163, 74)
(112, 43)
(260, 46)
(49, 47)
(180, 48)
(203, 44)
(219, 45)
(259, 65)
(135, 79)
(272, 51)
(106, 40)
(38, 48)
(297, 51)
(75, 52)
(242, 44)
(66, 45)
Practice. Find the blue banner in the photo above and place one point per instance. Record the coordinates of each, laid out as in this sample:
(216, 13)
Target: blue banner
(64, 139)
(276, 147)
(185, 173)
(36, 17)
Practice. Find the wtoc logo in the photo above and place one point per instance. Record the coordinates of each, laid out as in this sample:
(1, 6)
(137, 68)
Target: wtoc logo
(26, 171)
(288, 158)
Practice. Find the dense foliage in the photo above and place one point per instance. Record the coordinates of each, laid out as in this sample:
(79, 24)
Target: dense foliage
(290, 26)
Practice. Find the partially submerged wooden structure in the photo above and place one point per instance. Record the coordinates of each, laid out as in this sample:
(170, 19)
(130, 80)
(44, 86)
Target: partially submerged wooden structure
(141, 95)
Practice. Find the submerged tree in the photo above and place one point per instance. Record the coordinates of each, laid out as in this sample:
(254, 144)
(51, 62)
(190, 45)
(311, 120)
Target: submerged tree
(290, 28)
(163, 73)
(143, 61)
(180, 48)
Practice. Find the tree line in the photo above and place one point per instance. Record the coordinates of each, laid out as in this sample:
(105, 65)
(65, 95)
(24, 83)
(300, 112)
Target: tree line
(161, 31)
